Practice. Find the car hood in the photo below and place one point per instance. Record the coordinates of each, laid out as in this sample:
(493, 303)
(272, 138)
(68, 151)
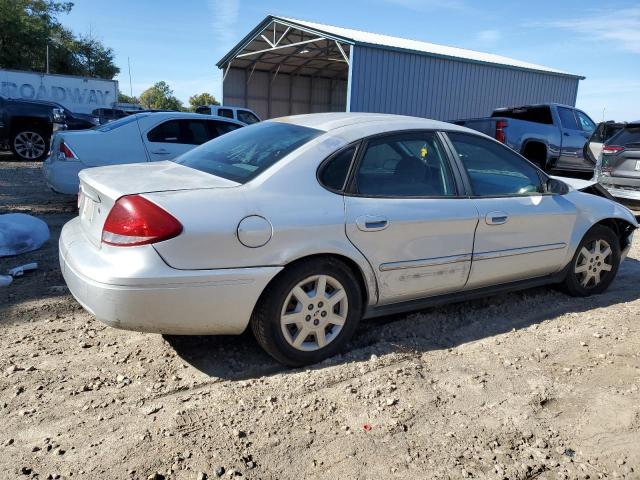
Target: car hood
(575, 183)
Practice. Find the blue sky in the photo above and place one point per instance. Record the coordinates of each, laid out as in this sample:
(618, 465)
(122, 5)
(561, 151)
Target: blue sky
(180, 42)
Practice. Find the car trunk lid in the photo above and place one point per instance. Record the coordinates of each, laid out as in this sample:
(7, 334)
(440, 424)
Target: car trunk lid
(101, 187)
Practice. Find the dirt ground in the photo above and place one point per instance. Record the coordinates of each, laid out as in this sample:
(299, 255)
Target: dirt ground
(518, 386)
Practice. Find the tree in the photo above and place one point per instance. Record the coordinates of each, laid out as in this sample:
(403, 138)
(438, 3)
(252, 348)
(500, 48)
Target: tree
(123, 98)
(201, 99)
(160, 97)
(28, 26)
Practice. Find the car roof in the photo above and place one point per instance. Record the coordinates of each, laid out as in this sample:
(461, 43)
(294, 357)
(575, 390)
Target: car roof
(334, 120)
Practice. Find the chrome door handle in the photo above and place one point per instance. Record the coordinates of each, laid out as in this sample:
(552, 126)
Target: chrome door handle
(162, 151)
(371, 223)
(496, 218)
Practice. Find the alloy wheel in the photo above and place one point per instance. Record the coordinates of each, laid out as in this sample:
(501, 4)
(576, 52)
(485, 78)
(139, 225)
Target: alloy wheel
(593, 264)
(29, 145)
(314, 313)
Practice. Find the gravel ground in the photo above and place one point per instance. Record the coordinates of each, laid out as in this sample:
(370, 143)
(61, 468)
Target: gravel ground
(518, 386)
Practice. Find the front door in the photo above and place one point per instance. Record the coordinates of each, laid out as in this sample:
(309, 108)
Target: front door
(404, 214)
(522, 232)
(573, 140)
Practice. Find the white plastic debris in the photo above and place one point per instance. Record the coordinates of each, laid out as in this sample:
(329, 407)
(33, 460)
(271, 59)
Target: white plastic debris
(20, 233)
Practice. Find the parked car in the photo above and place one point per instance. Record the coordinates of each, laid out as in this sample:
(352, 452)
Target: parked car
(603, 132)
(106, 115)
(302, 226)
(549, 135)
(243, 115)
(141, 137)
(619, 167)
(26, 126)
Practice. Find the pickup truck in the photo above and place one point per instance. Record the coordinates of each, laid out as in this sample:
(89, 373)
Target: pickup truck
(552, 136)
(26, 126)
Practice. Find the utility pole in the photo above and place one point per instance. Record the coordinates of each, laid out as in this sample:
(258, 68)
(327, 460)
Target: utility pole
(130, 84)
(47, 58)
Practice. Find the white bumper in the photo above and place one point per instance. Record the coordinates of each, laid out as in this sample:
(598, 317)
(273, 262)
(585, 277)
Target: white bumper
(133, 289)
(62, 176)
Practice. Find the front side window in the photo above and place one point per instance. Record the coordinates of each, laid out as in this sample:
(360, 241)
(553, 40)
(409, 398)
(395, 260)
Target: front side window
(494, 170)
(166, 132)
(204, 110)
(585, 122)
(245, 153)
(225, 112)
(405, 165)
(567, 118)
(220, 128)
(247, 117)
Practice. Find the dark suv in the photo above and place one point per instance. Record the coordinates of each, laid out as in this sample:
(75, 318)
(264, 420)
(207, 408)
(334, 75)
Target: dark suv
(619, 171)
(26, 126)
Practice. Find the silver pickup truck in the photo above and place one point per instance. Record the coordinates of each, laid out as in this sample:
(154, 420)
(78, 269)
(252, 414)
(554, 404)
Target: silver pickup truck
(550, 135)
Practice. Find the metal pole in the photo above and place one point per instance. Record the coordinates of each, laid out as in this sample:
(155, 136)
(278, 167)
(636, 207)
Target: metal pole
(47, 58)
(130, 84)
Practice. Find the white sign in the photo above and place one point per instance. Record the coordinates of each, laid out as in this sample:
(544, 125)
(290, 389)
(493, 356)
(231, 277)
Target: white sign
(78, 94)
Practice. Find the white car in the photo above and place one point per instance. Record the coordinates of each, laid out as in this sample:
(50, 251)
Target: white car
(243, 115)
(147, 136)
(303, 225)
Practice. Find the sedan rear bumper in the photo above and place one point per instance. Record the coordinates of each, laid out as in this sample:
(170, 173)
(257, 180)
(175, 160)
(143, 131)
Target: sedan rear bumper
(133, 289)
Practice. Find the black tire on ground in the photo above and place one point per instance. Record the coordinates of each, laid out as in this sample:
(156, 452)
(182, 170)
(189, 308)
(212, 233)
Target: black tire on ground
(574, 282)
(266, 318)
(30, 144)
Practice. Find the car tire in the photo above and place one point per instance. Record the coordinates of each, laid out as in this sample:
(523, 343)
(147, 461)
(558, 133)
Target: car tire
(595, 263)
(30, 144)
(297, 324)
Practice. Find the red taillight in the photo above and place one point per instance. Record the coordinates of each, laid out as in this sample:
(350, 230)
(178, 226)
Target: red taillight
(500, 135)
(612, 149)
(66, 151)
(134, 220)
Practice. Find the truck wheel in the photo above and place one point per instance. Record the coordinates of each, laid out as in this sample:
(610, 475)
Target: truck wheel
(537, 153)
(29, 144)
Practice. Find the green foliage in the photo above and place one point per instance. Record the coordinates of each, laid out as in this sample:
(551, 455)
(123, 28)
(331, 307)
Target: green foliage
(160, 97)
(123, 98)
(201, 99)
(28, 26)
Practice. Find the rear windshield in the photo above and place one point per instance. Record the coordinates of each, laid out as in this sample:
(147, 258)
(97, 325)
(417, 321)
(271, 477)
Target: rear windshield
(245, 153)
(120, 122)
(627, 136)
(530, 114)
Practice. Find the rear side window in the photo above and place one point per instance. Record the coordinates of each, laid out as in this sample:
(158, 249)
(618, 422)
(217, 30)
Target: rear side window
(166, 132)
(225, 112)
(334, 173)
(626, 137)
(495, 170)
(119, 123)
(405, 165)
(529, 114)
(245, 153)
(224, 127)
(204, 110)
(247, 117)
(585, 122)
(567, 118)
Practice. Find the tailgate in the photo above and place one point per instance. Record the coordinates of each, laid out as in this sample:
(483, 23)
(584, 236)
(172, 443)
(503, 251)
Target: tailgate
(626, 164)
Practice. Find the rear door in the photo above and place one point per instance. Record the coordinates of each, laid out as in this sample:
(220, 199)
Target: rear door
(522, 232)
(174, 137)
(403, 212)
(573, 140)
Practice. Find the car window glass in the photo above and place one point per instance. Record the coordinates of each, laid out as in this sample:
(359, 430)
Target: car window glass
(221, 128)
(225, 112)
(194, 132)
(493, 169)
(567, 118)
(166, 132)
(585, 122)
(406, 165)
(334, 172)
(204, 110)
(248, 151)
(626, 136)
(247, 117)
(119, 123)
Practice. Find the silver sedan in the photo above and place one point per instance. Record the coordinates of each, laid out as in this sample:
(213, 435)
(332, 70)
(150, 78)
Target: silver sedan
(302, 226)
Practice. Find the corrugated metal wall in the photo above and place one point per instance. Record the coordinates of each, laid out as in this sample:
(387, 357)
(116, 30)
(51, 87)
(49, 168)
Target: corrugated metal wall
(286, 95)
(388, 81)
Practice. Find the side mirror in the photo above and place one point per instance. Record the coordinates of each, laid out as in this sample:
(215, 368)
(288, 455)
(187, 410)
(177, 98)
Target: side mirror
(556, 187)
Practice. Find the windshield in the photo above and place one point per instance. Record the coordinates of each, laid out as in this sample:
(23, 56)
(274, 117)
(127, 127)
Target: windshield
(107, 127)
(245, 153)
